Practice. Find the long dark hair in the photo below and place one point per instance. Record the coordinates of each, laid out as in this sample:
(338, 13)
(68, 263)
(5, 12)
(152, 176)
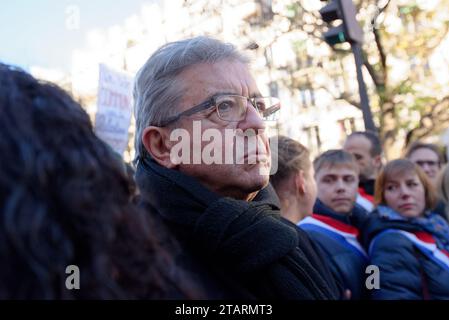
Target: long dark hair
(66, 199)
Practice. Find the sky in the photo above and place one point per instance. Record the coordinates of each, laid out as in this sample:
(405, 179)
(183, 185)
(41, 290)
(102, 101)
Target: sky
(45, 32)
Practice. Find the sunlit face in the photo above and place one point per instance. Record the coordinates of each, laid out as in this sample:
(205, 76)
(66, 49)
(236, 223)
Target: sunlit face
(360, 147)
(428, 160)
(201, 82)
(337, 187)
(405, 194)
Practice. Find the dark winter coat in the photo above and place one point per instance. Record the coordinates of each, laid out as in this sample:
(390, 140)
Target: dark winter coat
(412, 266)
(239, 249)
(337, 236)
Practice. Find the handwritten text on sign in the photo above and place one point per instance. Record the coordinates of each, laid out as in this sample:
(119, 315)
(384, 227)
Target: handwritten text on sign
(114, 108)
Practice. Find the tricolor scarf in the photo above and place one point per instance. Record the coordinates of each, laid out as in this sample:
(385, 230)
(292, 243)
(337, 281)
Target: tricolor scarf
(431, 223)
(337, 226)
(343, 234)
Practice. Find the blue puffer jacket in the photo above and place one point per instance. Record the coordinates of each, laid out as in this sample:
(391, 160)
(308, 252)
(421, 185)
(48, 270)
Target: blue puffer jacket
(410, 263)
(336, 236)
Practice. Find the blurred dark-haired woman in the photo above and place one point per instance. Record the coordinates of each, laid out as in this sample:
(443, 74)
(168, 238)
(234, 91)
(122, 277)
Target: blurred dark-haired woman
(66, 200)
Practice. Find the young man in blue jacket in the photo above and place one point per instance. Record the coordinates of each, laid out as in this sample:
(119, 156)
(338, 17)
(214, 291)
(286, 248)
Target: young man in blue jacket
(335, 220)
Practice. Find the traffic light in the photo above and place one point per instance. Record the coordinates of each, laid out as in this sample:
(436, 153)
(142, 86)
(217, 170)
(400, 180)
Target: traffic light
(349, 30)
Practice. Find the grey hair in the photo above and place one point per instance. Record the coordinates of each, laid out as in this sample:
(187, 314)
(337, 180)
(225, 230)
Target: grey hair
(158, 90)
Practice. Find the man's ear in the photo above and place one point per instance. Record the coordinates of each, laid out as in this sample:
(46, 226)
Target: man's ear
(378, 161)
(155, 140)
(300, 182)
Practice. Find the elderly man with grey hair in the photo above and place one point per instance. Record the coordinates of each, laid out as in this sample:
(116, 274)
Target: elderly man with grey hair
(196, 104)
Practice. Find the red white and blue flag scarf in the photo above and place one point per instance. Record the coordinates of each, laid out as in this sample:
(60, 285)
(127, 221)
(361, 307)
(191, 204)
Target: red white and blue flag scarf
(344, 234)
(424, 242)
(365, 200)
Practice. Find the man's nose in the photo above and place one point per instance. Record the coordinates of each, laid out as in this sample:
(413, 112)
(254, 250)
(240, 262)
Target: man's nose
(426, 168)
(252, 120)
(340, 186)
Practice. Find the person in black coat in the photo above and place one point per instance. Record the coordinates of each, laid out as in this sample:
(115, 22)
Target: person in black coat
(203, 164)
(335, 220)
(407, 241)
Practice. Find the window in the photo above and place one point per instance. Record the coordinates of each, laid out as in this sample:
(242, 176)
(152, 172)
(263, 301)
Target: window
(347, 126)
(307, 97)
(312, 96)
(304, 103)
(309, 61)
(274, 89)
(313, 139)
(262, 14)
(267, 9)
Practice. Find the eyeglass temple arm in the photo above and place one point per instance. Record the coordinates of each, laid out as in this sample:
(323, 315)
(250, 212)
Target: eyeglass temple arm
(272, 109)
(188, 112)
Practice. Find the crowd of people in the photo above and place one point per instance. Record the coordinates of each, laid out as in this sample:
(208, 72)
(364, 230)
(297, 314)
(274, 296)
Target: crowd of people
(166, 229)
(392, 216)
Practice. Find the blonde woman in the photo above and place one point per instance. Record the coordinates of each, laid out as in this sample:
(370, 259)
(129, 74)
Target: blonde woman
(294, 181)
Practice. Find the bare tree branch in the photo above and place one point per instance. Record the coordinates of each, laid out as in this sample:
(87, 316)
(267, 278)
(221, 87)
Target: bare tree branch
(383, 57)
(379, 45)
(372, 73)
(435, 120)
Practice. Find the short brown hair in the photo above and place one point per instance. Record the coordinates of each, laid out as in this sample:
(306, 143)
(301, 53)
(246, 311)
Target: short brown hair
(335, 157)
(397, 168)
(292, 157)
(420, 145)
(376, 146)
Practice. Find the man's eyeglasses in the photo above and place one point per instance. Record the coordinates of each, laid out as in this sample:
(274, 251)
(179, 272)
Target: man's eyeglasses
(429, 163)
(233, 108)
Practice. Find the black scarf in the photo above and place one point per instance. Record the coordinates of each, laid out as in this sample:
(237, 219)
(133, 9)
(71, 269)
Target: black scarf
(249, 241)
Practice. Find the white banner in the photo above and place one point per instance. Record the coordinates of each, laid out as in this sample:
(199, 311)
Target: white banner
(114, 108)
